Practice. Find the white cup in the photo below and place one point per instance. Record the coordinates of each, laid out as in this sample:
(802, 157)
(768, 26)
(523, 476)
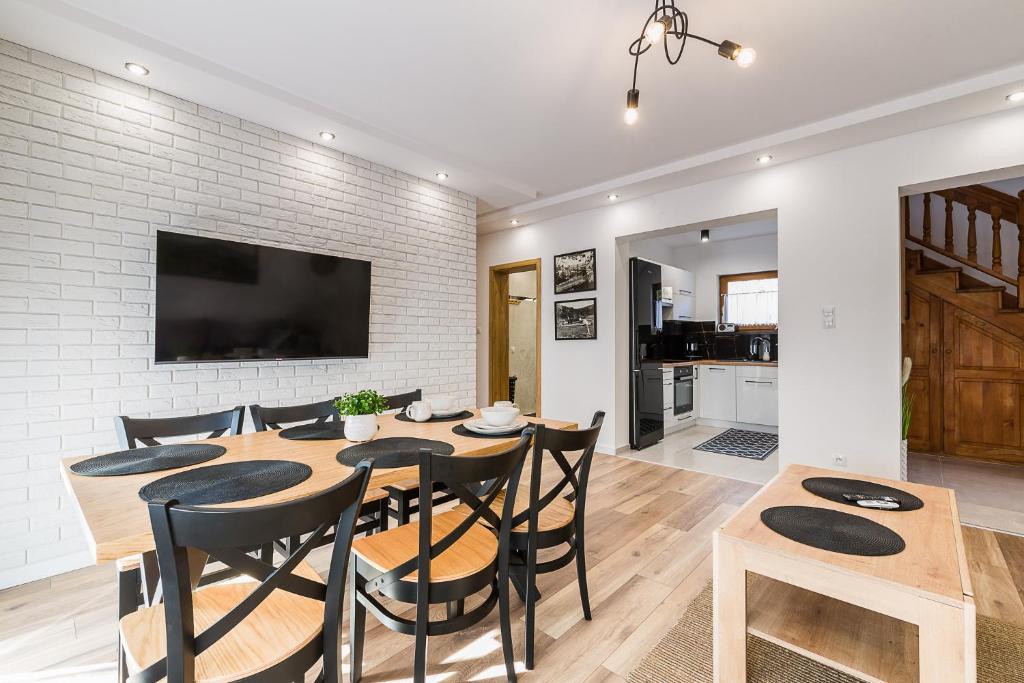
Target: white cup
(505, 404)
(441, 404)
(419, 411)
(499, 416)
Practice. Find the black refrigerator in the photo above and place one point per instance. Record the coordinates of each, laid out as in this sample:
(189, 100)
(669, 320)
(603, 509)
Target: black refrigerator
(646, 393)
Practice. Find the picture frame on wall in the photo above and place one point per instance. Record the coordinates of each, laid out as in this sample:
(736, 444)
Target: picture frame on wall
(576, 319)
(576, 271)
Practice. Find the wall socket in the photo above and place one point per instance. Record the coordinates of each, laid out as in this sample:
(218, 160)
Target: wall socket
(839, 460)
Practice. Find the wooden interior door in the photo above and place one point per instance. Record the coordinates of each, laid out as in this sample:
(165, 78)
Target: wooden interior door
(922, 342)
(498, 332)
(983, 377)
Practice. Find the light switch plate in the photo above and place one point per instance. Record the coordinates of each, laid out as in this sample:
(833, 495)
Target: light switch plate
(828, 317)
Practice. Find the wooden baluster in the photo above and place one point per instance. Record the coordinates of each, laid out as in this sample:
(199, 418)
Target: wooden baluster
(972, 231)
(926, 220)
(949, 223)
(906, 216)
(1020, 249)
(996, 212)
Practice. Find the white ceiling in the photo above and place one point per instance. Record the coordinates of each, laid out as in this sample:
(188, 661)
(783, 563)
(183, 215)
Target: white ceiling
(689, 236)
(521, 102)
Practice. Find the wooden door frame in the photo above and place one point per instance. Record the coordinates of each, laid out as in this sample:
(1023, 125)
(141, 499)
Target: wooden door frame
(498, 344)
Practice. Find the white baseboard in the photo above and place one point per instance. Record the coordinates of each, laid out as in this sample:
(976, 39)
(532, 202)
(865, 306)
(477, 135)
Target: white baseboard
(43, 570)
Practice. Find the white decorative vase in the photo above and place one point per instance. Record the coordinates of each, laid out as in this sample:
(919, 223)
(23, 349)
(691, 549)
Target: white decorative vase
(903, 460)
(360, 427)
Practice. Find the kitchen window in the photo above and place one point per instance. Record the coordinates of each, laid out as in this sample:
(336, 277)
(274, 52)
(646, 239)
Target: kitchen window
(750, 300)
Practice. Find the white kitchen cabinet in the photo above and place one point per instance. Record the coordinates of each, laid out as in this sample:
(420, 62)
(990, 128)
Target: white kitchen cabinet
(667, 389)
(684, 306)
(718, 392)
(757, 395)
(683, 300)
(686, 282)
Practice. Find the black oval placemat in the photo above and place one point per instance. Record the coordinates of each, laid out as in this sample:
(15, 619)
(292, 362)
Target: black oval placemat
(462, 431)
(150, 459)
(392, 451)
(323, 431)
(451, 418)
(228, 482)
(833, 489)
(839, 532)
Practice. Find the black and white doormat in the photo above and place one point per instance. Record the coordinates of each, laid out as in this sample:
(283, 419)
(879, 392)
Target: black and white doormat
(742, 443)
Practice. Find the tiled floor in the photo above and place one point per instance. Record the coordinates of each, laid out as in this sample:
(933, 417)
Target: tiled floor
(989, 495)
(676, 450)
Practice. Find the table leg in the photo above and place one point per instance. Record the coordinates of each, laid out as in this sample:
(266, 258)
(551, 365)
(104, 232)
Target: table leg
(730, 613)
(946, 644)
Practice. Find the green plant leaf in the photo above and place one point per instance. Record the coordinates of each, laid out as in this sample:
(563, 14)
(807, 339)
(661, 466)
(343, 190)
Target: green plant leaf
(365, 402)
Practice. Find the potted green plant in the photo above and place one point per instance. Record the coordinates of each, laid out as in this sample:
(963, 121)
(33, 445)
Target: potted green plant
(360, 411)
(906, 408)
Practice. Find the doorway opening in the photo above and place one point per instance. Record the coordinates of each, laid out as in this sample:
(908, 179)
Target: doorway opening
(514, 334)
(963, 343)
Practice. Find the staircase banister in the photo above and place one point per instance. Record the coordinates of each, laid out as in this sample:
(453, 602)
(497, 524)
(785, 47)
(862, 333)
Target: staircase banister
(986, 198)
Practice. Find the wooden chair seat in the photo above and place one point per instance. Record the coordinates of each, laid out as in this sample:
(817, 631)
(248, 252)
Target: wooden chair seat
(558, 514)
(127, 564)
(473, 552)
(405, 485)
(278, 627)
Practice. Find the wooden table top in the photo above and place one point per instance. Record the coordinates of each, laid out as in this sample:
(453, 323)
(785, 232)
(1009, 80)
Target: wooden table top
(116, 521)
(933, 564)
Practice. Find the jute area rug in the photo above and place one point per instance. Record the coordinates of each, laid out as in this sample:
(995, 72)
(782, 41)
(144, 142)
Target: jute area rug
(684, 655)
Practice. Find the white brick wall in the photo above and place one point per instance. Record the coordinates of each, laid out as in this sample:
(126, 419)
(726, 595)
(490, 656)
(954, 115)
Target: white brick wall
(91, 166)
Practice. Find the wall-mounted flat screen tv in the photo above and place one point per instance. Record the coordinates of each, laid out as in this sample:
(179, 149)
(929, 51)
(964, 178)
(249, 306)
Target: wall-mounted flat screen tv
(229, 301)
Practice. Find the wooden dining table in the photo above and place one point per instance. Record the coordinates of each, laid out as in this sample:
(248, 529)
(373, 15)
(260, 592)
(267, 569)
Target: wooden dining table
(116, 519)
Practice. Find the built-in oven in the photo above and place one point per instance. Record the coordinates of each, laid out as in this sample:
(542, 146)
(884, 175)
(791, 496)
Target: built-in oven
(682, 386)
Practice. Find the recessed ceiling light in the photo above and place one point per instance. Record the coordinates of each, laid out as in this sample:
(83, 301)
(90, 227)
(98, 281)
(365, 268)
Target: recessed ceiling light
(764, 158)
(326, 135)
(136, 69)
(514, 221)
(612, 197)
(1017, 96)
(441, 175)
(705, 235)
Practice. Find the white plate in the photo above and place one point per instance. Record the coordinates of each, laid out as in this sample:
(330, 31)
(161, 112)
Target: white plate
(447, 413)
(481, 427)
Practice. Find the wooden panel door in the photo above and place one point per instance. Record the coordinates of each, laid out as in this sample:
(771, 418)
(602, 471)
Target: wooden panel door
(922, 342)
(983, 372)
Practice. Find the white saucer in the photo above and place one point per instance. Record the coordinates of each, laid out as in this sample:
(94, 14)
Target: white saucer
(480, 427)
(447, 413)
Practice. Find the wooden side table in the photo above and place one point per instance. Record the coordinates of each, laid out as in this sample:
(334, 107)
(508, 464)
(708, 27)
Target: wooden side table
(905, 617)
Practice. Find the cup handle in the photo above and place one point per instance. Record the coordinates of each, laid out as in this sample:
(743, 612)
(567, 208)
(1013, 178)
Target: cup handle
(408, 411)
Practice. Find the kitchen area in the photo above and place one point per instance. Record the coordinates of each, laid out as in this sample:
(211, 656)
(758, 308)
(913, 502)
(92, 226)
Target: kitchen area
(704, 351)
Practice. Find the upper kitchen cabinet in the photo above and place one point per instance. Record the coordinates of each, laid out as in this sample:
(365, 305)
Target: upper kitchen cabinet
(682, 282)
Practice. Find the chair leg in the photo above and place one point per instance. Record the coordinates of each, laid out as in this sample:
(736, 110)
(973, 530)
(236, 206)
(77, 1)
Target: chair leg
(357, 626)
(518, 578)
(384, 513)
(403, 508)
(506, 626)
(129, 588)
(455, 608)
(419, 673)
(532, 595)
(581, 574)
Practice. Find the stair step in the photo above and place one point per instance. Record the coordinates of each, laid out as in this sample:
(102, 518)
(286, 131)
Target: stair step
(939, 270)
(982, 288)
(1011, 310)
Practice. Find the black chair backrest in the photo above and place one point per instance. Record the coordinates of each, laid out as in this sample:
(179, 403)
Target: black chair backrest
(226, 535)
(273, 418)
(403, 401)
(133, 431)
(574, 475)
(463, 476)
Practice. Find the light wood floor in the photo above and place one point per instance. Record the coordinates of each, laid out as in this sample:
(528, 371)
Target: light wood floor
(649, 545)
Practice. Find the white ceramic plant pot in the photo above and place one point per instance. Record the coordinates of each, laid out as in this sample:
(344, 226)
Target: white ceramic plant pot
(903, 460)
(360, 427)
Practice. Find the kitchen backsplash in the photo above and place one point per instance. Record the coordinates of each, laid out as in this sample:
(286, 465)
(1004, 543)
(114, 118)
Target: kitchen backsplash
(697, 339)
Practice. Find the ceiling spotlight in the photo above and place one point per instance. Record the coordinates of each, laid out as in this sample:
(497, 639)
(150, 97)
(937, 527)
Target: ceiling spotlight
(514, 221)
(1017, 96)
(326, 135)
(763, 159)
(136, 69)
(705, 235)
(632, 106)
(612, 197)
(441, 175)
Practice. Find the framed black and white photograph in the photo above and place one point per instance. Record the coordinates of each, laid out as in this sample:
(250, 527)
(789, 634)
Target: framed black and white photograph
(576, 319)
(576, 272)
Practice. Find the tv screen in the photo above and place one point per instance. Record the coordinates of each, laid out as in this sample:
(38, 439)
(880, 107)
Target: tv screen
(227, 301)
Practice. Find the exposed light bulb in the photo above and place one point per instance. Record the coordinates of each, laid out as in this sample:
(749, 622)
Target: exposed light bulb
(136, 69)
(656, 30)
(631, 116)
(745, 57)
(441, 175)
(1015, 96)
(326, 135)
(632, 106)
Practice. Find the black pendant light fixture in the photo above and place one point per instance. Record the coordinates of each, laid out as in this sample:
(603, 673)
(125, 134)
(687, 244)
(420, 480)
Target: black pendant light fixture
(667, 23)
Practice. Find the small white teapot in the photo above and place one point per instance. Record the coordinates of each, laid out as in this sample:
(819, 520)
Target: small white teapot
(419, 411)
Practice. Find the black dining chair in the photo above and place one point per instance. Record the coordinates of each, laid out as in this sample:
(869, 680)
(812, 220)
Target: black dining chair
(132, 431)
(552, 517)
(405, 494)
(453, 555)
(274, 627)
(374, 515)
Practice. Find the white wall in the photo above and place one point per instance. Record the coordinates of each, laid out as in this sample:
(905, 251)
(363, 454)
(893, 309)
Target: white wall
(838, 244)
(90, 167)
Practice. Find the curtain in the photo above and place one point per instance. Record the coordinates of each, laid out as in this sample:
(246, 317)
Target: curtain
(752, 302)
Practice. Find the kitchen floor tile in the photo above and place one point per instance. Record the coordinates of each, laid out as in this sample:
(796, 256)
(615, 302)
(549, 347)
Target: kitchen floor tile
(677, 450)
